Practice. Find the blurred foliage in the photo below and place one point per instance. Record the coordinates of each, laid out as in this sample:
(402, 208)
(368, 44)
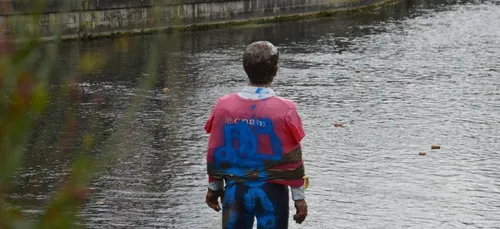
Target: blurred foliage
(26, 93)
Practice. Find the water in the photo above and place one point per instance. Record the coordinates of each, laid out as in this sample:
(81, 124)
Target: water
(413, 75)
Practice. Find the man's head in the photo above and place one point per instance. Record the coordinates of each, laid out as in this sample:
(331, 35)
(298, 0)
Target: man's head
(260, 62)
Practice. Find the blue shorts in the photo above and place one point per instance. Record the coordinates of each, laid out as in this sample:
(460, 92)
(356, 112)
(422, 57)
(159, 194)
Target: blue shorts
(243, 202)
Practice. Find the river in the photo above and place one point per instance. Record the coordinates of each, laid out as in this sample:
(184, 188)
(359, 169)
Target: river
(413, 75)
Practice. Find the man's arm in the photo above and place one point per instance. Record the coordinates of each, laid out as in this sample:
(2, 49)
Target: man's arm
(215, 186)
(214, 192)
(213, 183)
(298, 193)
(296, 128)
(294, 123)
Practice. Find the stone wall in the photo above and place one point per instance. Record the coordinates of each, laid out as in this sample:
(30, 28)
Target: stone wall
(80, 18)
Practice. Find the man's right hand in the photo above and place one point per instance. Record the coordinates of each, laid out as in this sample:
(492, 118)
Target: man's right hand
(301, 207)
(212, 199)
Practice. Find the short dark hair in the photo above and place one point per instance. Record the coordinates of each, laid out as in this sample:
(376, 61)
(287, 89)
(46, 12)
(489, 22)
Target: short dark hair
(260, 61)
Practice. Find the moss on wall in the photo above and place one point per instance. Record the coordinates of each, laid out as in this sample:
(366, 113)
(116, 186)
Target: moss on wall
(368, 9)
(92, 24)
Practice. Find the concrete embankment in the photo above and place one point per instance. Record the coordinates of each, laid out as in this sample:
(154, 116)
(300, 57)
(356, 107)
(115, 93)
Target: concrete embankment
(98, 18)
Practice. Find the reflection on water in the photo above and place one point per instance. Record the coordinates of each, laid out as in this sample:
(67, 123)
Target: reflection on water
(412, 75)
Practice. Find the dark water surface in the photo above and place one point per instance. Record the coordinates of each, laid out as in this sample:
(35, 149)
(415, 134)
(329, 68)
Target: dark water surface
(429, 73)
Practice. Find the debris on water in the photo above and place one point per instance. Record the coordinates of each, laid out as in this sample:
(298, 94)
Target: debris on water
(421, 153)
(338, 124)
(101, 201)
(357, 71)
(435, 147)
(165, 90)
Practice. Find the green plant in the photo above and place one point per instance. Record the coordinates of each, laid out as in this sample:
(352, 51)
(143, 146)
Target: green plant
(26, 63)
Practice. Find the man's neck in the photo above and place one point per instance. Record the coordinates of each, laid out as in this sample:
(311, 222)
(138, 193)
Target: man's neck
(259, 85)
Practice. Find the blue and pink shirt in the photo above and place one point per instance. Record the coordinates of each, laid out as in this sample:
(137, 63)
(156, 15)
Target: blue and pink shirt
(250, 127)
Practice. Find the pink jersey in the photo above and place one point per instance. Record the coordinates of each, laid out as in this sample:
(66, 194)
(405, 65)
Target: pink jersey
(245, 132)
